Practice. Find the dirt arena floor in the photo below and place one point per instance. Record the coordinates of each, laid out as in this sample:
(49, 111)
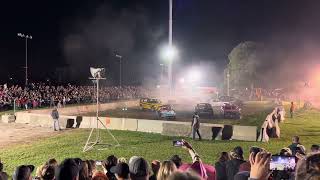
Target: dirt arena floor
(184, 114)
(14, 133)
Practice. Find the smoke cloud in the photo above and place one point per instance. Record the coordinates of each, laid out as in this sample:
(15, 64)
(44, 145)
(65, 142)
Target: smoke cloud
(94, 40)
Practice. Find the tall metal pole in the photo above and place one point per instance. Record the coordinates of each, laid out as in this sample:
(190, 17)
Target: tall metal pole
(26, 37)
(120, 72)
(26, 81)
(228, 82)
(97, 97)
(97, 115)
(170, 47)
(161, 77)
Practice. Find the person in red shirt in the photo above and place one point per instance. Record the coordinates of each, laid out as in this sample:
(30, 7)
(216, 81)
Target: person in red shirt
(292, 108)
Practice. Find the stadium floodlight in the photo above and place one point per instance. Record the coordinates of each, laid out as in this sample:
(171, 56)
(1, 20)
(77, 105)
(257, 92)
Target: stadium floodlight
(26, 37)
(169, 53)
(96, 72)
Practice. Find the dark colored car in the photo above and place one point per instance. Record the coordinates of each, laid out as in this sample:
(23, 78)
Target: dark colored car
(231, 99)
(231, 111)
(204, 109)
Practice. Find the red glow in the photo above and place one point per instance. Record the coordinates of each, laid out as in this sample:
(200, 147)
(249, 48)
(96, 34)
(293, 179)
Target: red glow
(318, 78)
(314, 79)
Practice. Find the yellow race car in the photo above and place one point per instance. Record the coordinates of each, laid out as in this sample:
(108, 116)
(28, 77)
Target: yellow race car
(150, 104)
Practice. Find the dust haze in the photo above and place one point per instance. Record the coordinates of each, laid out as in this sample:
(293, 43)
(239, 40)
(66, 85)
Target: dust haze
(95, 39)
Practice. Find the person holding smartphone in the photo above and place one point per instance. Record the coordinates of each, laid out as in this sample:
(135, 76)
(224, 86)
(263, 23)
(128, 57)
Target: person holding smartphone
(197, 165)
(260, 165)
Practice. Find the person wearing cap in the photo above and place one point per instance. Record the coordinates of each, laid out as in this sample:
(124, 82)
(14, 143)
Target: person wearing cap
(195, 125)
(121, 171)
(55, 117)
(139, 169)
(23, 172)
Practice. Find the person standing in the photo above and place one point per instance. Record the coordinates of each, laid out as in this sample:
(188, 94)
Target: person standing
(64, 101)
(51, 101)
(195, 126)
(295, 144)
(292, 108)
(55, 117)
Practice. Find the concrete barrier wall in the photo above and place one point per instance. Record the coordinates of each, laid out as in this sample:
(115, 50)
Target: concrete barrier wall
(150, 126)
(176, 129)
(241, 133)
(82, 109)
(40, 119)
(7, 118)
(169, 128)
(88, 122)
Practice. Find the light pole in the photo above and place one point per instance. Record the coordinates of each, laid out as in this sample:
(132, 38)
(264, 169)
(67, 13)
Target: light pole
(170, 47)
(228, 82)
(120, 69)
(161, 77)
(26, 67)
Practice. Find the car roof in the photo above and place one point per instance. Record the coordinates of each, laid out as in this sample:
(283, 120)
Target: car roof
(203, 104)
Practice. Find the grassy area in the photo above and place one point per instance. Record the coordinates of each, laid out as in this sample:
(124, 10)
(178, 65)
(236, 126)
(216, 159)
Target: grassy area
(152, 146)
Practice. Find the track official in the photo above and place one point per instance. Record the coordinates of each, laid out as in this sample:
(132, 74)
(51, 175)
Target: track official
(55, 117)
(195, 126)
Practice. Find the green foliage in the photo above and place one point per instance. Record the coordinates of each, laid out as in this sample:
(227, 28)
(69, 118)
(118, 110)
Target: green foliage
(244, 62)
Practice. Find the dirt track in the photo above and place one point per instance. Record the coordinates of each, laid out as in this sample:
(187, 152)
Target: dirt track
(14, 133)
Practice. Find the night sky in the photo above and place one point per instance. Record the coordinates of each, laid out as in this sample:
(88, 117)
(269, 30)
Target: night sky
(72, 35)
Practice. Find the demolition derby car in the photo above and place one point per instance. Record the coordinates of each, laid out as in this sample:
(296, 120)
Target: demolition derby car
(166, 112)
(150, 104)
(225, 99)
(204, 109)
(231, 111)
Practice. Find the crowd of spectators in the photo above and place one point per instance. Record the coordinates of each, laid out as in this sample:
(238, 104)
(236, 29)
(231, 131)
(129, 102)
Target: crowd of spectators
(230, 166)
(39, 95)
(260, 94)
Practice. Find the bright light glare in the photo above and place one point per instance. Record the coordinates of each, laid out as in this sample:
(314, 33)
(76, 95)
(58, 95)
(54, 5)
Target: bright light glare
(169, 53)
(194, 75)
(181, 80)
